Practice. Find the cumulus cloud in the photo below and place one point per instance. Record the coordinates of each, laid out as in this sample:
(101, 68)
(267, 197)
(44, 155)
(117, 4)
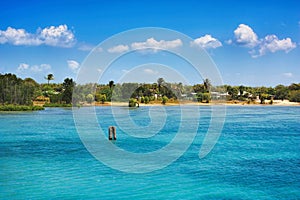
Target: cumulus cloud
(59, 36)
(207, 42)
(118, 49)
(40, 68)
(152, 43)
(244, 35)
(73, 65)
(23, 68)
(18, 37)
(271, 43)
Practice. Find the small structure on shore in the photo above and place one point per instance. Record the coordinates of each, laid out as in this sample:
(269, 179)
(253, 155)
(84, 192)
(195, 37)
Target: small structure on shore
(112, 133)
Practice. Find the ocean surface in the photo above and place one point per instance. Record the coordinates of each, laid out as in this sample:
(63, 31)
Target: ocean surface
(256, 157)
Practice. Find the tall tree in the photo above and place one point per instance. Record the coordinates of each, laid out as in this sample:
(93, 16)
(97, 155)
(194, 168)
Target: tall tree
(207, 84)
(111, 84)
(68, 86)
(160, 81)
(49, 77)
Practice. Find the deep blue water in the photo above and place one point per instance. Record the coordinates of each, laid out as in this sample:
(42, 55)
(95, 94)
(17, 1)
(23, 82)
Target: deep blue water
(256, 157)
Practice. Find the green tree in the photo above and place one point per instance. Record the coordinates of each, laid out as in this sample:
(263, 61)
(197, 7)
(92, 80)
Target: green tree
(199, 88)
(295, 96)
(133, 103)
(207, 85)
(68, 86)
(100, 98)
(146, 100)
(14, 90)
(111, 84)
(233, 92)
(281, 92)
(49, 77)
(164, 100)
(89, 98)
(206, 97)
(263, 97)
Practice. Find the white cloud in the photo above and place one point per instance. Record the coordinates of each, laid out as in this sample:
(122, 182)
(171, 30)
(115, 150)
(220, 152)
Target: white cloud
(18, 37)
(150, 71)
(287, 74)
(23, 68)
(244, 35)
(271, 43)
(40, 68)
(152, 43)
(73, 65)
(118, 49)
(59, 36)
(207, 42)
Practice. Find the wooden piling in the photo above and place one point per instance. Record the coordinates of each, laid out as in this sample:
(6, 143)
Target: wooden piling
(112, 133)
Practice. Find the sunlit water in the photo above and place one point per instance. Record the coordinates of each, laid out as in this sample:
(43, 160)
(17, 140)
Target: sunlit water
(256, 157)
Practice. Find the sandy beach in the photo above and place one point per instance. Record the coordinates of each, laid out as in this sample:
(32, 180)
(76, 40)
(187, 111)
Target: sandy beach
(214, 103)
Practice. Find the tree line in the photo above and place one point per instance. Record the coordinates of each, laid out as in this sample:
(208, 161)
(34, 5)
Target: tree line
(17, 91)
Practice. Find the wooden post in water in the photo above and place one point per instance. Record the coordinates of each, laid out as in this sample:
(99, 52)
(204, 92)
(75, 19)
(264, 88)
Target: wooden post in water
(112, 133)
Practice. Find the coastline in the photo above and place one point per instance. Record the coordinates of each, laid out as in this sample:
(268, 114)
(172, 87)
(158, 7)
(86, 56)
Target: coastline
(125, 104)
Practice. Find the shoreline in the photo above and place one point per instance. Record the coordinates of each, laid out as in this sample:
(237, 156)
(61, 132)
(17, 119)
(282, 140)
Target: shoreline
(125, 104)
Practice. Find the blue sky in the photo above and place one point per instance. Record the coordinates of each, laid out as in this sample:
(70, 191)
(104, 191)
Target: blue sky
(252, 42)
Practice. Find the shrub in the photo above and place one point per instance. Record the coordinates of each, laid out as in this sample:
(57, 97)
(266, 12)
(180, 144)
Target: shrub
(164, 100)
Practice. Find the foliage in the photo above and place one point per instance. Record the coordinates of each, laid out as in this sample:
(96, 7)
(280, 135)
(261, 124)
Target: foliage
(203, 97)
(100, 98)
(68, 86)
(164, 100)
(90, 98)
(10, 107)
(14, 90)
(263, 97)
(132, 102)
(146, 100)
(49, 77)
(295, 95)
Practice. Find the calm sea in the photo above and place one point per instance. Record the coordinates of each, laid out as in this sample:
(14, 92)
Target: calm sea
(256, 157)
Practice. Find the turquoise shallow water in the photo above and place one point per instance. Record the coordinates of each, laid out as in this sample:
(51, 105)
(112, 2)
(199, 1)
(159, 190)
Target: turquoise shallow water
(256, 157)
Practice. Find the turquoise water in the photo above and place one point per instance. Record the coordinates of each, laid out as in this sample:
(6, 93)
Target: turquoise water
(256, 157)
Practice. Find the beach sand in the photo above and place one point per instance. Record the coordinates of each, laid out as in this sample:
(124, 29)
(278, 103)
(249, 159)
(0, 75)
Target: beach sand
(214, 103)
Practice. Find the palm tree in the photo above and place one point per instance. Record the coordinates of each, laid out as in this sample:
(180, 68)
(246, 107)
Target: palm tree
(111, 84)
(49, 77)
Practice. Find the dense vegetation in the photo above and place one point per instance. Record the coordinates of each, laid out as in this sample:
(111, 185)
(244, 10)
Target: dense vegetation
(15, 91)
(11, 107)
